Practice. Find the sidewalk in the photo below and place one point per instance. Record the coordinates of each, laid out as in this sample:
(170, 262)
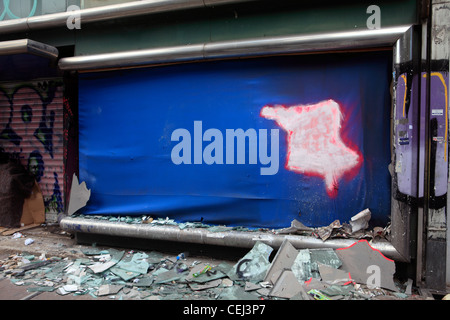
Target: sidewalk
(56, 244)
(55, 267)
(50, 241)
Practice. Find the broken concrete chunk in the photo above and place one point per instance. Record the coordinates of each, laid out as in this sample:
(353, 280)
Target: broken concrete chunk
(284, 259)
(332, 275)
(250, 286)
(274, 278)
(367, 265)
(254, 265)
(316, 284)
(79, 195)
(360, 221)
(264, 291)
(287, 286)
(302, 295)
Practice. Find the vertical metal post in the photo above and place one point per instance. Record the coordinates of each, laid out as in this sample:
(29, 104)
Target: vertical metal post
(423, 212)
(432, 262)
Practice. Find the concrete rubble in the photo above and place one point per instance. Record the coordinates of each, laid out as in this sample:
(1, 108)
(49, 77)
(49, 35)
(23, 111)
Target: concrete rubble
(354, 273)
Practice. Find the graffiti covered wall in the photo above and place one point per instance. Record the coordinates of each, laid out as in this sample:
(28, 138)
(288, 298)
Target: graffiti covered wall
(31, 130)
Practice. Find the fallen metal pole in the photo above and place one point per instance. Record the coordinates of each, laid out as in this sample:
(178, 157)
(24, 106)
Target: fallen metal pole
(241, 239)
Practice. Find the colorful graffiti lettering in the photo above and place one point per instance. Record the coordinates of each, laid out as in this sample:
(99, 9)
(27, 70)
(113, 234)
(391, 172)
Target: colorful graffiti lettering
(314, 142)
(31, 130)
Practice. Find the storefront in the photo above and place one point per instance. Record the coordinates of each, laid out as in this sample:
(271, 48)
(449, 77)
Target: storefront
(247, 113)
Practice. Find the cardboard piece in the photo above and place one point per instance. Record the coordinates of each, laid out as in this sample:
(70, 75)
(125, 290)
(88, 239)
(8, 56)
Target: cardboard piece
(33, 208)
(33, 212)
(9, 231)
(79, 195)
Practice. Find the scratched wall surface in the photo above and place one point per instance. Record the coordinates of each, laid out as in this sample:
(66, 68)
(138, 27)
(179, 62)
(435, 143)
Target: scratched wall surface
(333, 117)
(31, 129)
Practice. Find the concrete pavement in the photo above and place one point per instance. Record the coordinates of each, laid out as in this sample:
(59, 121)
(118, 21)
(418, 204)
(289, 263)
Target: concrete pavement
(51, 241)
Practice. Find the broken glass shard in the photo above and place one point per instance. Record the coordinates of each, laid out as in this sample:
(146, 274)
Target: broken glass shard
(302, 266)
(254, 265)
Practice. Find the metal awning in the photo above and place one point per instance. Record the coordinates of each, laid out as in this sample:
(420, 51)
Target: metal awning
(102, 13)
(27, 46)
(26, 59)
(321, 42)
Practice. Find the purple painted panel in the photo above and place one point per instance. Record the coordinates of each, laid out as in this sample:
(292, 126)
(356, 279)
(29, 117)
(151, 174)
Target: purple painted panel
(439, 129)
(407, 135)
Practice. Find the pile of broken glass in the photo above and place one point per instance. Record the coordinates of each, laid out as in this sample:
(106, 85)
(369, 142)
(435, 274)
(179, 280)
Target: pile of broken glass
(351, 273)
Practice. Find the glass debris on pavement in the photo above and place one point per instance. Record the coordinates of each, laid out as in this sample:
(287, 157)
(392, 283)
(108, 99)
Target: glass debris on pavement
(292, 274)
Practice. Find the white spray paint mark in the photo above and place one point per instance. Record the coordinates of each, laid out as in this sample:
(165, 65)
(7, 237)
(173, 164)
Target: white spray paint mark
(314, 142)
